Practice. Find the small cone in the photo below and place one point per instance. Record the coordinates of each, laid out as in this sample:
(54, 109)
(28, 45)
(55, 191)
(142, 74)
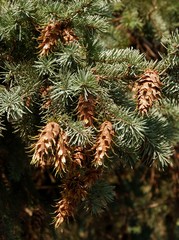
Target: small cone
(49, 37)
(46, 145)
(64, 210)
(103, 143)
(52, 32)
(78, 156)
(148, 90)
(73, 192)
(45, 94)
(62, 153)
(68, 36)
(86, 108)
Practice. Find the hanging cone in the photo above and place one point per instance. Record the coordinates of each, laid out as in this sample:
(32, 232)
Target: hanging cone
(103, 143)
(62, 153)
(68, 36)
(64, 210)
(78, 156)
(53, 31)
(86, 108)
(73, 192)
(45, 94)
(45, 147)
(148, 90)
(48, 37)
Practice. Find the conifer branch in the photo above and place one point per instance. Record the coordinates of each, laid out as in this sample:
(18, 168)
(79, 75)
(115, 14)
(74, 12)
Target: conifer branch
(11, 103)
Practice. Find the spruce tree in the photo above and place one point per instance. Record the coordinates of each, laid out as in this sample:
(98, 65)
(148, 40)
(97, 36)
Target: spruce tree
(75, 109)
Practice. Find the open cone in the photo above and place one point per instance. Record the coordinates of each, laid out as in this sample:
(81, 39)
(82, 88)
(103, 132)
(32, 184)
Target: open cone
(53, 31)
(48, 37)
(78, 156)
(148, 90)
(62, 153)
(45, 147)
(73, 192)
(103, 142)
(86, 109)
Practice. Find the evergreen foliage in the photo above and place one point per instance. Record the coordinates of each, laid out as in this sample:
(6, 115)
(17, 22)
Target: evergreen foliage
(68, 72)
